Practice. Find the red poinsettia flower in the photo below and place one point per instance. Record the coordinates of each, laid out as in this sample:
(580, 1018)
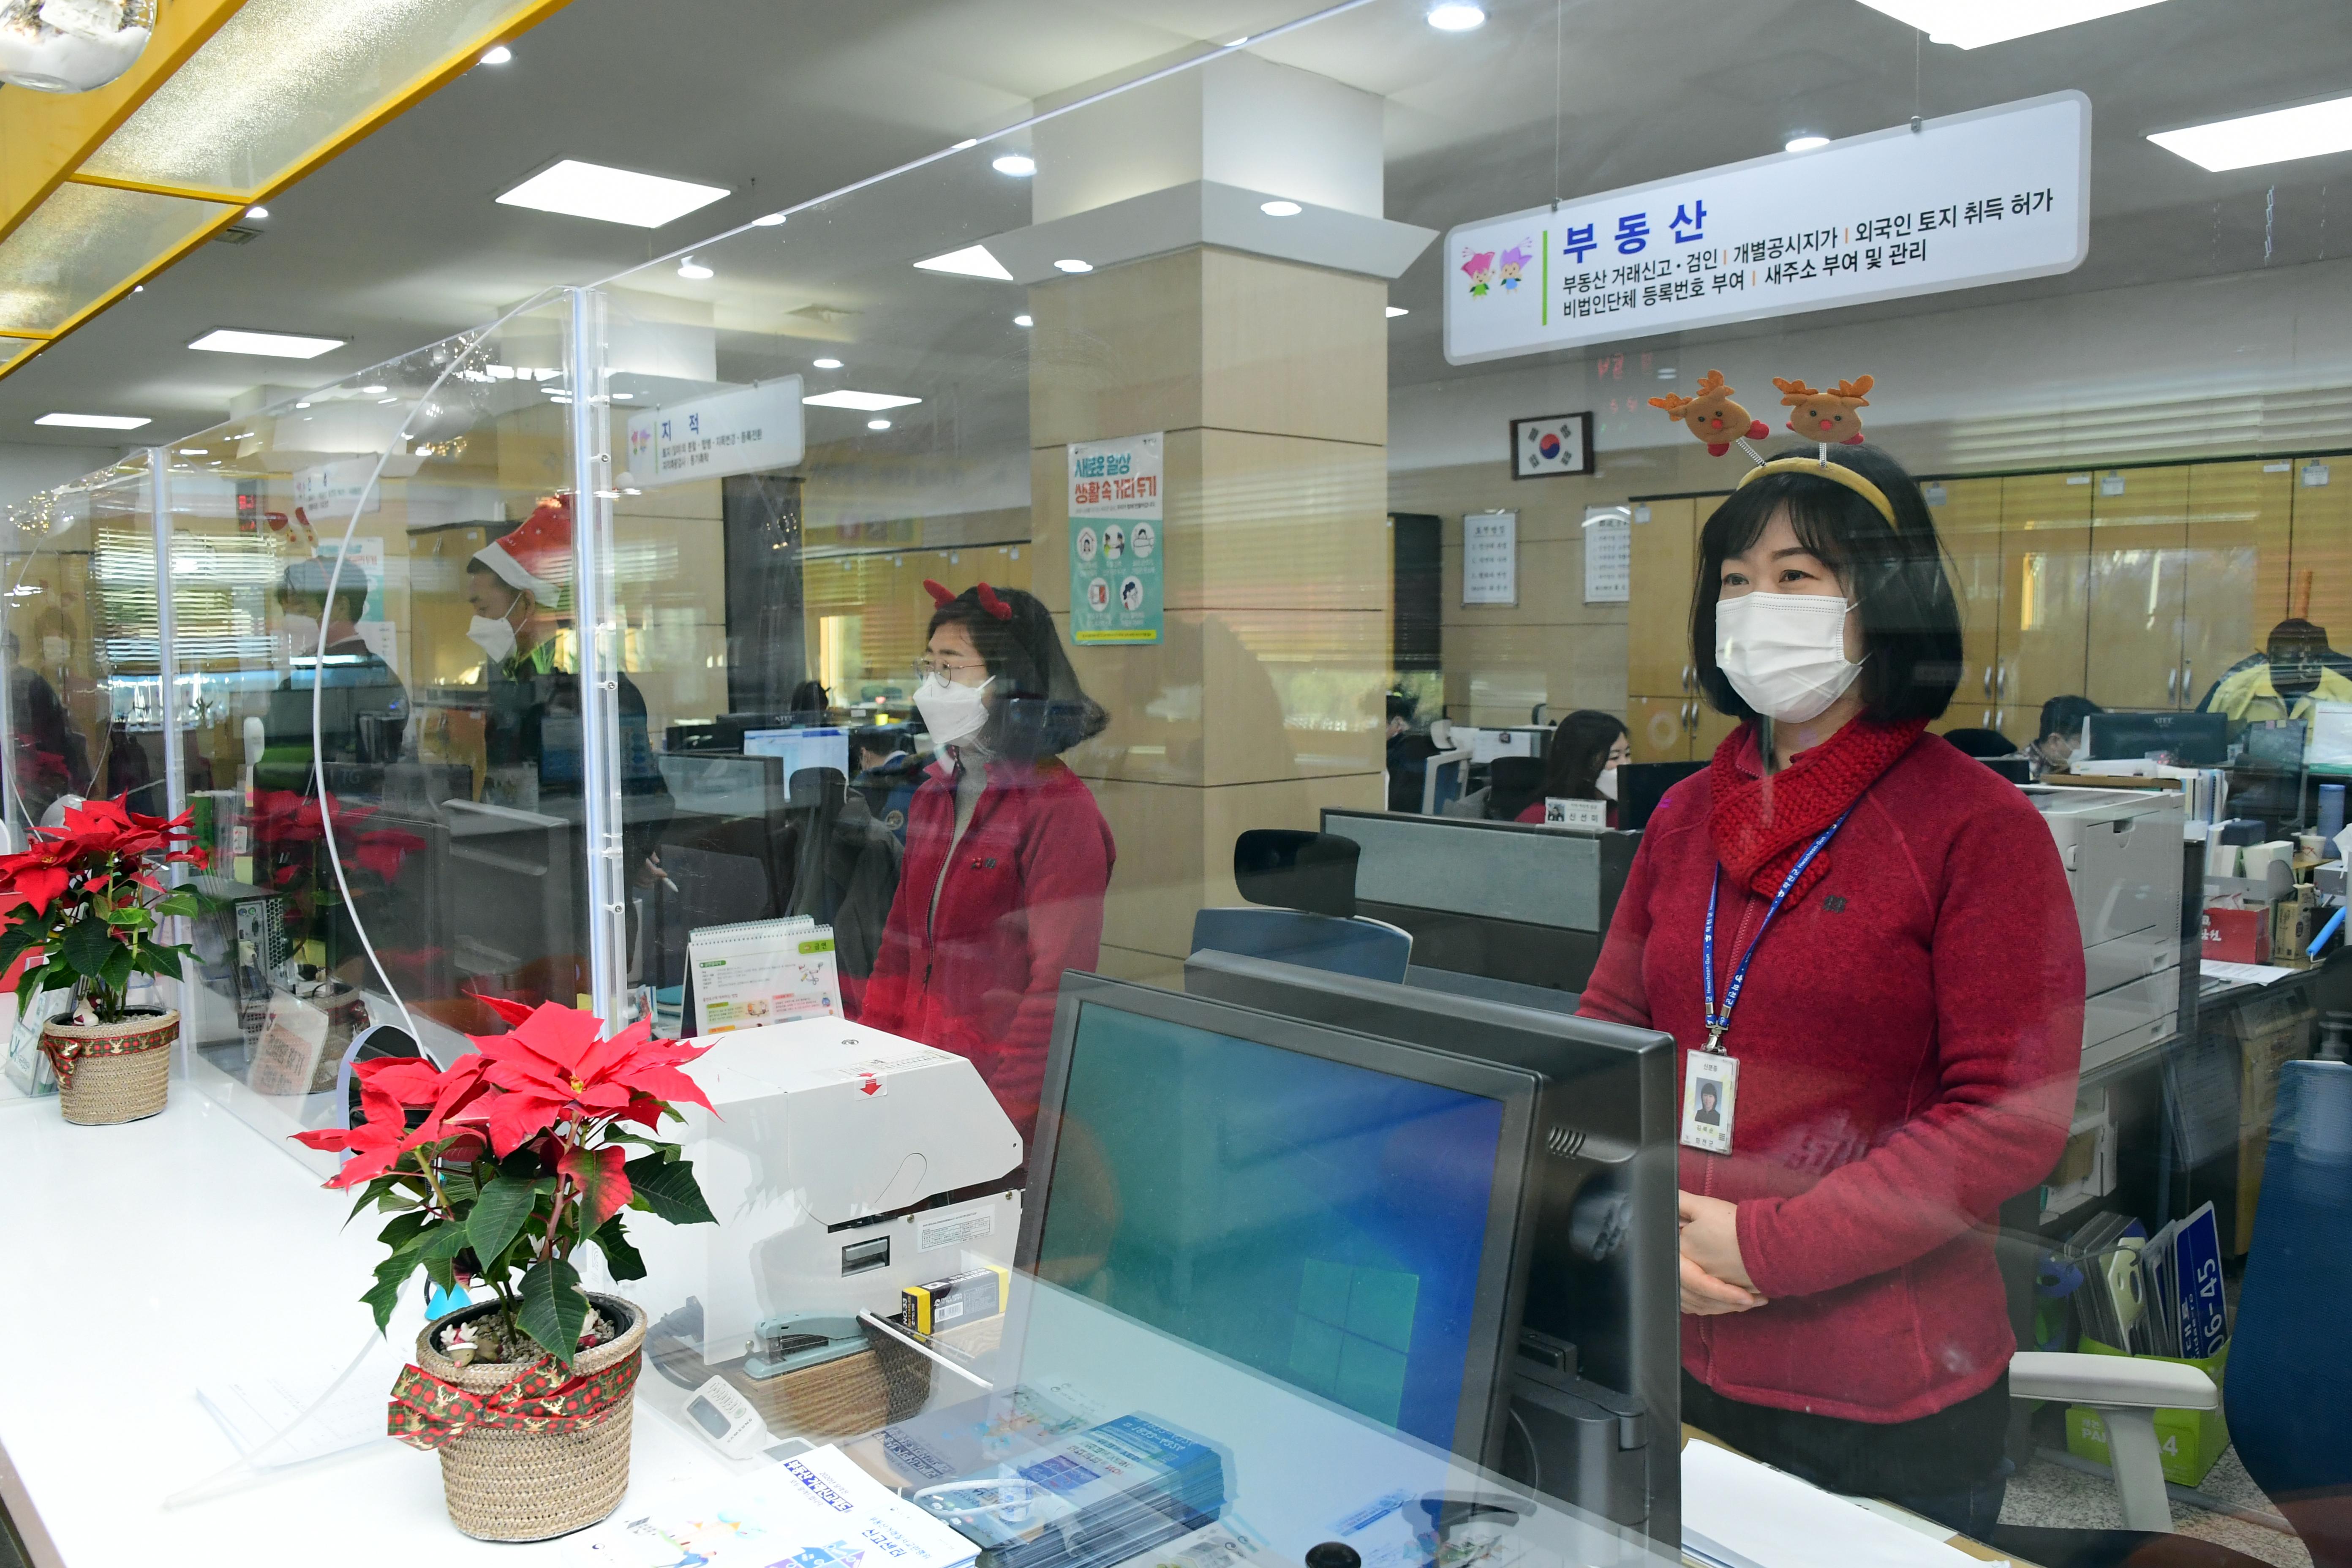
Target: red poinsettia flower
(91, 839)
(554, 1066)
(390, 1087)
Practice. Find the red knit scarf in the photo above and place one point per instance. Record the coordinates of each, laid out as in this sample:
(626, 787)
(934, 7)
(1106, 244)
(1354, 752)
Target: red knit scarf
(1762, 826)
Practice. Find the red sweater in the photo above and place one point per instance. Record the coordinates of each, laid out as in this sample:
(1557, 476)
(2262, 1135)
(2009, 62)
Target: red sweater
(1022, 902)
(1908, 1042)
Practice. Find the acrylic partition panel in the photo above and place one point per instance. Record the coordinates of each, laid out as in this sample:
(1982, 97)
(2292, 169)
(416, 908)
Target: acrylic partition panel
(389, 789)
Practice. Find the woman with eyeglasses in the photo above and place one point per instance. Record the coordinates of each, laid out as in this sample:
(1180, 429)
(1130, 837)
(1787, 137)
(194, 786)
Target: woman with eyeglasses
(1008, 858)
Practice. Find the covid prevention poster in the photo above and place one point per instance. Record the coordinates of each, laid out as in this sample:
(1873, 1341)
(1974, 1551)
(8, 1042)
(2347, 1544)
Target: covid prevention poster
(1116, 552)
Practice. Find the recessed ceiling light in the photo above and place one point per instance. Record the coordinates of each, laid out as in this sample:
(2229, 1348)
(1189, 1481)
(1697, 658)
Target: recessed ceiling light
(1025, 321)
(971, 261)
(139, 288)
(610, 196)
(1803, 144)
(864, 402)
(301, 405)
(371, 390)
(1020, 165)
(767, 220)
(1072, 264)
(624, 397)
(878, 424)
(694, 270)
(193, 451)
(256, 212)
(275, 345)
(1396, 311)
(1280, 209)
(2272, 136)
(965, 146)
(1456, 16)
(95, 421)
(828, 363)
(1972, 24)
(497, 55)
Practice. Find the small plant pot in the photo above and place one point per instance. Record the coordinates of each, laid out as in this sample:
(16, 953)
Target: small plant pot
(112, 1072)
(517, 1483)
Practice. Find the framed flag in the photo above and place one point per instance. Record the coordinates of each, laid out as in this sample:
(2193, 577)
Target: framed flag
(1552, 444)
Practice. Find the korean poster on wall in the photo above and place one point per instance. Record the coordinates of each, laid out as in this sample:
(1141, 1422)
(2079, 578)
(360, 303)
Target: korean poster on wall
(1116, 553)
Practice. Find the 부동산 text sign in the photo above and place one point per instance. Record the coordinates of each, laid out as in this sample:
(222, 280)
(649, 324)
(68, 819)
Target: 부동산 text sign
(1116, 554)
(747, 431)
(1983, 197)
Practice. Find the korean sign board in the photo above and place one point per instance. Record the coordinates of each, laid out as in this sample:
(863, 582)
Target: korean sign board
(751, 430)
(1116, 554)
(1983, 197)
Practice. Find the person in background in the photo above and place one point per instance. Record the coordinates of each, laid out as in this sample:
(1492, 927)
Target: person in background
(1409, 751)
(51, 759)
(2059, 733)
(886, 774)
(1907, 1029)
(362, 705)
(811, 703)
(1587, 749)
(2295, 669)
(1008, 858)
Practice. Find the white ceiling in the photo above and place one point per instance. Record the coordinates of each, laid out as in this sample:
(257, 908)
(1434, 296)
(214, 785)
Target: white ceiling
(398, 242)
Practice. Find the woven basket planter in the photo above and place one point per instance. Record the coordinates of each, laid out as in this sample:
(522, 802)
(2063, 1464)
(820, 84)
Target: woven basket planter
(112, 1072)
(509, 1484)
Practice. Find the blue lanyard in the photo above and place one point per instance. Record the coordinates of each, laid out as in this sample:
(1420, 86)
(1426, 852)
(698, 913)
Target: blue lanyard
(1717, 1023)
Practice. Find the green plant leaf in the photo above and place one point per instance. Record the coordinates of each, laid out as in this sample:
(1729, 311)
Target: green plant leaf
(373, 1193)
(390, 1276)
(86, 947)
(402, 1229)
(622, 1259)
(666, 1188)
(500, 1210)
(439, 1253)
(553, 1309)
(114, 975)
(459, 1188)
(180, 901)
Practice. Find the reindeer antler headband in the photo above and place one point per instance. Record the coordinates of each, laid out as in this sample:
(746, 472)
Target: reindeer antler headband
(1823, 415)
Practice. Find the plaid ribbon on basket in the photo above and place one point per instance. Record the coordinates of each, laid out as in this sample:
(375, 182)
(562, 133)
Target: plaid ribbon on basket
(428, 1414)
(62, 1050)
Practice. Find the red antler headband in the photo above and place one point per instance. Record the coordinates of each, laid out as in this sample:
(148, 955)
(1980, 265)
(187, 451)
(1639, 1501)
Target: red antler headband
(993, 604)
(939, 592)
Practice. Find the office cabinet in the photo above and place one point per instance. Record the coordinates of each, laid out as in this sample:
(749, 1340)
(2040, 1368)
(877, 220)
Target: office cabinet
(2045, 569)
(2139, 579)
(1967, 520)
(1659, 728)
(1657, 644)
(2319, 565)
(2237, 567)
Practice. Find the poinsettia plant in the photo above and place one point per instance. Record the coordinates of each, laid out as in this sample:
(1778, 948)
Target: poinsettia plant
(89, 896)
(497, 1169)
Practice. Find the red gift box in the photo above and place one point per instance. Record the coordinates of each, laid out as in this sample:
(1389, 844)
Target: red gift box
(2238, 936)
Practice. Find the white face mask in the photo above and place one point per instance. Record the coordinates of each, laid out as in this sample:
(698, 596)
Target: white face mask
(1607, 782)
(493, 637)
(1784, 653)
(952, 712)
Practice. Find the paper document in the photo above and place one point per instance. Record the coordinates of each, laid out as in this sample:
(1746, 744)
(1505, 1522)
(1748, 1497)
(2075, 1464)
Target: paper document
(815, 1510)
(1742, 1514)
(2244, 973)
(762, 971)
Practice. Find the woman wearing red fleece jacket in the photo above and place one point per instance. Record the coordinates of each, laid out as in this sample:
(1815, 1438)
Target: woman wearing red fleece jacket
(1908, 1033)
(1007, 856)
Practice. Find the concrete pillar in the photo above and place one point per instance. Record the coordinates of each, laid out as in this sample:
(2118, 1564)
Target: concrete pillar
(1259, 346)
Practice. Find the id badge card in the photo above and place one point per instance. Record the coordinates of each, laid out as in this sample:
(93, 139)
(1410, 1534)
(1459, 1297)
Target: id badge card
(1710, 1092)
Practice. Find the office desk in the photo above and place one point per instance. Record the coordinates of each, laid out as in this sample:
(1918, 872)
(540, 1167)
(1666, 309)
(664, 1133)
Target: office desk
(148, 1259)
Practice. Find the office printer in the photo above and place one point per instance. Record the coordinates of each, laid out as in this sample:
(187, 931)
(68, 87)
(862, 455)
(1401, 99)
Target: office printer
(843, 1164)
(2121, 850)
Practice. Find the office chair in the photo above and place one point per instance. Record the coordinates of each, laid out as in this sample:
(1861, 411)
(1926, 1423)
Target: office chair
(2290, 1388)
(1981, 744)
(1302, 891)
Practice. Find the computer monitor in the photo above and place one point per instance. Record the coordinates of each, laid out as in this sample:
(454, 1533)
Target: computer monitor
(1344, 1214)
(1641, 785)
(718, 783)
(511, 882)
(1445, 780)
(2186, 740)
(798, 749)
(1601, 1273)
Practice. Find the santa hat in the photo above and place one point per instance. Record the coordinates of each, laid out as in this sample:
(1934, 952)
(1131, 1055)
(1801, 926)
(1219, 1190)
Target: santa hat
(536, 558)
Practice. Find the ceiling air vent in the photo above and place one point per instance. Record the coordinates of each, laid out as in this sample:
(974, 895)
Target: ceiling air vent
(237, 234)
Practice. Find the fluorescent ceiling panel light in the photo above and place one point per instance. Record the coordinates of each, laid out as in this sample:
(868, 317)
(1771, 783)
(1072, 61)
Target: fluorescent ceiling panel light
(193, 452)
(971, 261)
(371, 390)
(1973, 24)
(1071, 264)
(1017, 165)
(274, 345)
(610, 196)
(1280, 209)
(2274, 136)
(1804, 144)
(1396, 311)
(864, 402)
(828, 363)
(1455, 17)
(878, 424)
(95, 421)
(693, 271)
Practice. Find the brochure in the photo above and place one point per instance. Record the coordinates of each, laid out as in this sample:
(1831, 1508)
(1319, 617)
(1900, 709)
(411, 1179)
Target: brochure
(761, 972)
(815, 1510)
